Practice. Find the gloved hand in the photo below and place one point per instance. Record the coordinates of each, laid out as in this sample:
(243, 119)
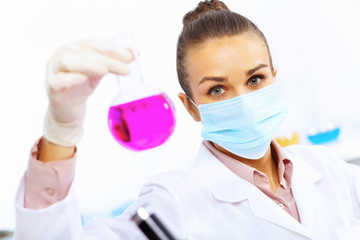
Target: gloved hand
(72, 75)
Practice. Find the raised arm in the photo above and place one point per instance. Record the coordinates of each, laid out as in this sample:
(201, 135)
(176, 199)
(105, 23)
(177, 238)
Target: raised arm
(45, 204)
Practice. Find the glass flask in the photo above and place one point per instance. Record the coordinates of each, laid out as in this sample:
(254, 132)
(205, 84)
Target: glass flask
(141, 116)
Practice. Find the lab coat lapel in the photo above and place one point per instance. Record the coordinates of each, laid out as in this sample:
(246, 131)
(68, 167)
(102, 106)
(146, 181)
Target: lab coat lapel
(228, 187)
(263, 207)
(218, 178)
(305, 193)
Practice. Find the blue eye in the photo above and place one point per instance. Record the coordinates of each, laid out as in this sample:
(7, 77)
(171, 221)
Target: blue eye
(217, 90)
(255, 80)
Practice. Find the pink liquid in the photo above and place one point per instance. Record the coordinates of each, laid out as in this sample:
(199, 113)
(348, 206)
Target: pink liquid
(142, 124)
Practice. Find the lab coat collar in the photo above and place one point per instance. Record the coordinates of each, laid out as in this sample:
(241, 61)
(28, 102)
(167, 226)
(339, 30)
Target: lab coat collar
(218, 178)
(226, 186)
(221, 184)
(305, 192)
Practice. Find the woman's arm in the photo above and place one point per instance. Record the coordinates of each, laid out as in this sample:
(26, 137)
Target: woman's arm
(45, 204)
(50, 152)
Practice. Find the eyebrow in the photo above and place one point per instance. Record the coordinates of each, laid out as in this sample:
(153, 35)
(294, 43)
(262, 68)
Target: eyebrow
(225, 79)
(215, 79)
(251, 71)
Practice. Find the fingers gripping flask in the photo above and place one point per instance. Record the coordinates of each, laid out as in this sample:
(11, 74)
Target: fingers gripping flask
(141, 116)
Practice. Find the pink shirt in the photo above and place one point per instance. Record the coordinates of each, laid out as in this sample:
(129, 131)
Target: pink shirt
(48, 183)
(283, 195)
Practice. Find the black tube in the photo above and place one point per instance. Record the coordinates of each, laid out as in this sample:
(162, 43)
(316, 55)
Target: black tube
(151, 225)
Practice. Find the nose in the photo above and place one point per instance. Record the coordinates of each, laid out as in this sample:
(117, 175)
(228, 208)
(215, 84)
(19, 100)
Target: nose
(241, 90)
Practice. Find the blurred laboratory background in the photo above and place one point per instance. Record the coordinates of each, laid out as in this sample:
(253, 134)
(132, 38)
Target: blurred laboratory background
(315, 48)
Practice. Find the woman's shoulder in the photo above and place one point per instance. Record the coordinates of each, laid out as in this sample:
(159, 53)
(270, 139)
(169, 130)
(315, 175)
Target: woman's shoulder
(315, 152)
(181, 185)
(175, 179)
(169, 177)
(318, 157)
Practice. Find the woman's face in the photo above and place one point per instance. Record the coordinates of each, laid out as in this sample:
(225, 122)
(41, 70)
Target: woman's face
(224, 68)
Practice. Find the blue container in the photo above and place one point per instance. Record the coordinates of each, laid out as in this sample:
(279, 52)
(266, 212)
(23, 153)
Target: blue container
(324, 137)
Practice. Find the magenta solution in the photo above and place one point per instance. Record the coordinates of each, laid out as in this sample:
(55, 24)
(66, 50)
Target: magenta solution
(144, 123)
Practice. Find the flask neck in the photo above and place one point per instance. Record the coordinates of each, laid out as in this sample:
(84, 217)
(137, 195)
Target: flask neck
(131, 81)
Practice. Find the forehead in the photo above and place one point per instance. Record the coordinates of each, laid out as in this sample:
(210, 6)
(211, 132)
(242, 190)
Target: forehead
(225, 55)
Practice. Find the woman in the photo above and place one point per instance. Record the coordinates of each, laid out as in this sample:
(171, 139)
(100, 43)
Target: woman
(242, 186)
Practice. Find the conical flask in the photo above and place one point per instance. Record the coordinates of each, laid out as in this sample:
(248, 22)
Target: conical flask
(141, 116)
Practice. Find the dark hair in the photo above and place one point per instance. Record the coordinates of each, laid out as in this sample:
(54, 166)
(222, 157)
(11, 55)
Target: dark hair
(210, 20)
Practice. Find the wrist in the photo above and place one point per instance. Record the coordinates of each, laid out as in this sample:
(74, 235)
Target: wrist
(62, 134)
(50, 152)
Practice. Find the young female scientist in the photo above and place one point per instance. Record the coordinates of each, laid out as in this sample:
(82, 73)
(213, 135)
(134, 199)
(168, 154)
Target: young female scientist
(243, 184)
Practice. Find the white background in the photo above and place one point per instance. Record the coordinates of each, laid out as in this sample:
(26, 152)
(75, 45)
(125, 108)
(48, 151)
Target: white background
(315, 46)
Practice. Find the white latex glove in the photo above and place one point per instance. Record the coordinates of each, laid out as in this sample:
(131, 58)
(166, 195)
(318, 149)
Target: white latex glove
(72, 75)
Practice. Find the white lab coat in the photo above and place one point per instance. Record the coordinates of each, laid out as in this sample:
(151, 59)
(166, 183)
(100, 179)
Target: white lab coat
(211, 202)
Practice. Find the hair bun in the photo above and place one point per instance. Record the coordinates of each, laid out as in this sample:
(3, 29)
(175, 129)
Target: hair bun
(202, 8)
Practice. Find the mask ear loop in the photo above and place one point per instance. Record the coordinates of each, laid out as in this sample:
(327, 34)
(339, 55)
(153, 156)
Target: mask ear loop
(192, 102)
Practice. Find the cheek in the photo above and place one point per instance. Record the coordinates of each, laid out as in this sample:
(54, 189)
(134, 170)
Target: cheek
(270, 81)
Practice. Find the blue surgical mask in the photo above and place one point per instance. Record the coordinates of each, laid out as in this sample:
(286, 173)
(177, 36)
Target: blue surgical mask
(246, 124)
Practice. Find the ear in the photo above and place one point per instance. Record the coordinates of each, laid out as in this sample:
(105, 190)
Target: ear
(192, 110)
